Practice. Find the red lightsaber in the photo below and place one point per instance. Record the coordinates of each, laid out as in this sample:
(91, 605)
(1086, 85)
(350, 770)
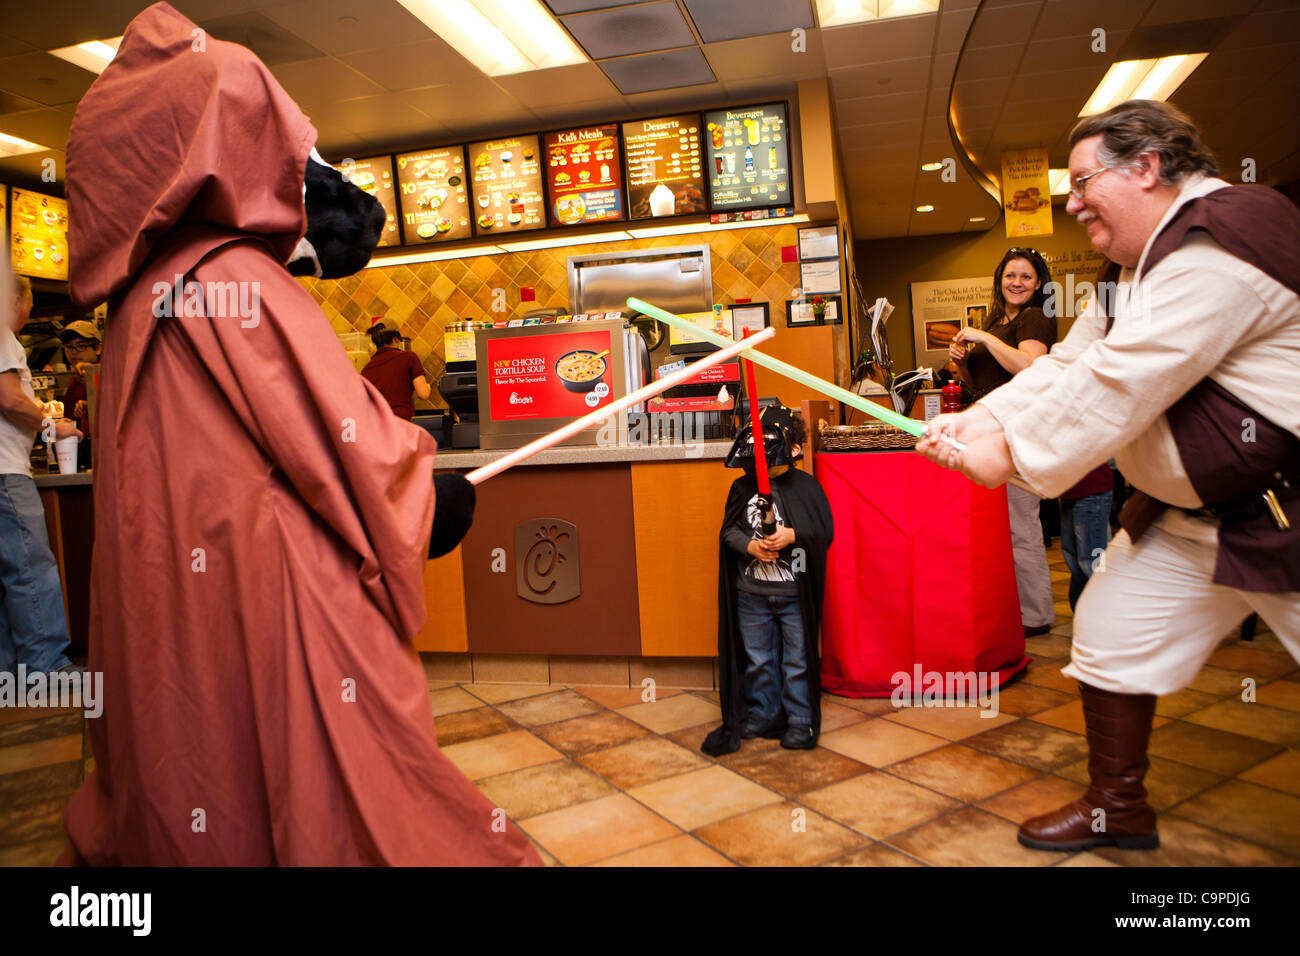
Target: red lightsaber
(766, 513)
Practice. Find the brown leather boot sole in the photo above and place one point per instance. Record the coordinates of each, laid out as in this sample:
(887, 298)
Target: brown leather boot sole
(1070, 828)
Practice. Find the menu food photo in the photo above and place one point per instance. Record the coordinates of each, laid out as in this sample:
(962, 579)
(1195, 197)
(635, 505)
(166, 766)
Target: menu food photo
(375, 176)
(584, 176)
(38, 235)
(748, 157)
(665, 170)
(506, 185)
(434, 195)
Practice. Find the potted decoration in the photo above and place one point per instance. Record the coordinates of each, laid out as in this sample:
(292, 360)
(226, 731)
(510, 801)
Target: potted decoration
(819, 309)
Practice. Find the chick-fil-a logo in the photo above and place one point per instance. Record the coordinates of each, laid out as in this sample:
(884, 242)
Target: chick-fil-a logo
(546, 561)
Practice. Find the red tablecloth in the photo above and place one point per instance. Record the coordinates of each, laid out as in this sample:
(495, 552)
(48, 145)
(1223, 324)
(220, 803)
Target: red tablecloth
(920, 576)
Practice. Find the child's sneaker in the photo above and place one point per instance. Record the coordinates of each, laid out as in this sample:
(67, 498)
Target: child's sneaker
(799, 737)
(757, 727)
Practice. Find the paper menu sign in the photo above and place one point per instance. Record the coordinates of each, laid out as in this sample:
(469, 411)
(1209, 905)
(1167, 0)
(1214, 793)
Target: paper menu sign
(584, 176)
(665, 166)
(38, 235)
(748, 157)
(434, 195)
(375, 176)
(506, 185)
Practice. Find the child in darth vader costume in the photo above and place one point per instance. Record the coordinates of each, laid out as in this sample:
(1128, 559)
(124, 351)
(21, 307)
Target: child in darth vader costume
(770, 592)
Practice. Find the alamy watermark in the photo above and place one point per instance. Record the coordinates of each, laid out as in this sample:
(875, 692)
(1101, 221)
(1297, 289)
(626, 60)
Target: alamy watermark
(54, 689)
(682, 429)
(950, 689)
(191, 300)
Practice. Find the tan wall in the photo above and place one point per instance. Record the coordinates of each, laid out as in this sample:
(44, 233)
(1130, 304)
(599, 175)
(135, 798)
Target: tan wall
(888, 267)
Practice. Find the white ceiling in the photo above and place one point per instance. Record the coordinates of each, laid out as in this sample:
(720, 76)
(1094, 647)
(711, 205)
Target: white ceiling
(374, 78)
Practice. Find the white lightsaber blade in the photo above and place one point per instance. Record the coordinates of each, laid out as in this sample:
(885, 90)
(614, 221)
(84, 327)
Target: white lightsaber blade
(479, 475)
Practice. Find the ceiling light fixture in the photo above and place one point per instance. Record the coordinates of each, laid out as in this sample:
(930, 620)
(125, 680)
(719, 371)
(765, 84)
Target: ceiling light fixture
(931, 167)
(837, 13)
(1141, 80)
(556, 242)
(92, 55)
(1059, 180)
(13, 146)
(714, 227)
(500, 37)
(926, 208)
(976, 219)
(463, 252)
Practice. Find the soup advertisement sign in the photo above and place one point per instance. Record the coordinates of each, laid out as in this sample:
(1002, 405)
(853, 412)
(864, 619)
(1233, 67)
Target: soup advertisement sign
(564, 375)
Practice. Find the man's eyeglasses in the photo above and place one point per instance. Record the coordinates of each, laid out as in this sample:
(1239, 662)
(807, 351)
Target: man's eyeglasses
(1080, 185)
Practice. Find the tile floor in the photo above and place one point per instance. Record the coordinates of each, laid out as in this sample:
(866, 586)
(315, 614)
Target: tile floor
(596, 775)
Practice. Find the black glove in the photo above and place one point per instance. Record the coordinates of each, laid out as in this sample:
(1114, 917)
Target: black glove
(453, 512)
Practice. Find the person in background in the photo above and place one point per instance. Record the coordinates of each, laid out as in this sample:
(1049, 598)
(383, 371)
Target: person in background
(33, 630)
(1085, 526)
(1015, 332)
(395, 372)
(82, 343)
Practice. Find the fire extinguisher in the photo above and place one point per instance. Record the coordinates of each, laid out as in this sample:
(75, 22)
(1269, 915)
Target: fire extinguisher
(951, 400)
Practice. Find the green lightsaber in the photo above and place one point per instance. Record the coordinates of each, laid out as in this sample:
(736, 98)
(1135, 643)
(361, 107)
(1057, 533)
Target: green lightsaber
(890, 417)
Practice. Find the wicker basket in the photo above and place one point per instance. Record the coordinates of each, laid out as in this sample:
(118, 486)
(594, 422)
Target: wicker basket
(865, 438)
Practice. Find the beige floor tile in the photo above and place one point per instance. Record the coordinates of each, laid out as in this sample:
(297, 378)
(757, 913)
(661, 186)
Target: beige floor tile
(1280, 693)
(1024, 699)
(1068, 716)
(783, 834)
(641, 761)
(877, 855)
(950, 723)
(791, 772)
(1210, 749)
(593, 732)
(32, 822)
(541, 789)
(38, 853)
(1260, 664)
(549, 708)
(1184, 843)
(1048, 674)
(1281, 772)
(673, 713)
(51, 781)
(1183, 702)
(615, 697)
(695, 799)
(1256, 720)
(1167, 782)
(43, 725)
(684, 850)
(1033, 744)
(598, 829)
(1051, 646)
(880, 743)
(969, 837)
(1032, 799)
(500, 693)
(1221, 682)
(463, 725)
(871, 706)
(878, 804)
(962, 773)
(1259, 814)
(40, 753)
(449, 700)
(835, 716)
(502, 753)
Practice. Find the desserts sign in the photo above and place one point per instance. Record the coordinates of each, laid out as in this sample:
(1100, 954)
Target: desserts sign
(665, 166)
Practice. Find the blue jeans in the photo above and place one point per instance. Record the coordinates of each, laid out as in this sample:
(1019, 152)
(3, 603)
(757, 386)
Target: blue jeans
(33, 630)
(1085, 532)
(772, 627)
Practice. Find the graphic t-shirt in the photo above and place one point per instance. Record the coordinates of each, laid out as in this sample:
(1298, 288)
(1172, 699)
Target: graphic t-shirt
(753, 575)
(15, 441)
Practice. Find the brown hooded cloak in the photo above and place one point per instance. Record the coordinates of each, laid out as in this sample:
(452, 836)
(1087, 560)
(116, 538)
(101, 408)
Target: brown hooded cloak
(261, 516)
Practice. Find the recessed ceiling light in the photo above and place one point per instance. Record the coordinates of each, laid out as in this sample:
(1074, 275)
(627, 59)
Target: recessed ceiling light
(836, 13)
(931, 167)
(500, 37)
(976, 219)
(1141, 80)
(93, 55)
(1059, 180)
(925, 208)
(13, 146)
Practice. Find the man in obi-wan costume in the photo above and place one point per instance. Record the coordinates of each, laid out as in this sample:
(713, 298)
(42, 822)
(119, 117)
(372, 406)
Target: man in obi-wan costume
(1188, 374)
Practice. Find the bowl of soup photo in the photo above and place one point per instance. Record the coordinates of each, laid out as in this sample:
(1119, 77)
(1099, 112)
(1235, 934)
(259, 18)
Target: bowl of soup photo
(581, 370)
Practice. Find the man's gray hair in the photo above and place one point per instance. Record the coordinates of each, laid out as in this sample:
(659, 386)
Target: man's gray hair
(1144, 126)
(22, 285)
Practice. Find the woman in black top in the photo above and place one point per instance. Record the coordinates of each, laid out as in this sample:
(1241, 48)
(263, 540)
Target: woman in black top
(1015, 333)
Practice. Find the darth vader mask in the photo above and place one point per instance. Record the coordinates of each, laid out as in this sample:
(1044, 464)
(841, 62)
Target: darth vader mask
(344, 224)
(778, 435)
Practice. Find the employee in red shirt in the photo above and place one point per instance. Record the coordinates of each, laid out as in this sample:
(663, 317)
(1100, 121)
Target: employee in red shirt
(395, 372)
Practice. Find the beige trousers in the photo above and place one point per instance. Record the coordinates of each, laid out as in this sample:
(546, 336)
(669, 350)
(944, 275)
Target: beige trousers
(1151, 614)
(1033, 580)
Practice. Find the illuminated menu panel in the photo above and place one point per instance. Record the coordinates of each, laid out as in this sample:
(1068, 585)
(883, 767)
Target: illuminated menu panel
(38, 236)
(748, 157)
(506, 185)
(665, 171)
(375, 176)
(435, 202)
(584, 176)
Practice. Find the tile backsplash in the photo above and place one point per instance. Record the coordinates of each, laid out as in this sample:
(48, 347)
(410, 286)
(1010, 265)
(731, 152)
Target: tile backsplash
(421, 299)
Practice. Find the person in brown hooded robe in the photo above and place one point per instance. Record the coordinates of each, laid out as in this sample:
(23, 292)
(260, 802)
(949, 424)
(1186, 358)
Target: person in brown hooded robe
(261, 516)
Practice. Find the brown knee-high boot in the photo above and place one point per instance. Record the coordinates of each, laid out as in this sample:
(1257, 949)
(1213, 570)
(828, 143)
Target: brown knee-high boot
(1119, 728)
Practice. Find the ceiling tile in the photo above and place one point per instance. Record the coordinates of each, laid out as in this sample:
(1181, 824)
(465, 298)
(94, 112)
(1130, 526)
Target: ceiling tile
(864, 43)
(577, 6)
(1070, 53)
(409, 66)
(43, 78)
(47, 127)
(323, 80)
(658, 71)
(735, 60)
(989, 62)
(559, 86)
(879, 109)
(855, 137)
(1176, 11)
(468, 101)
(1067, 18)
(953, 26)
(345, 26)
(1003, 25)
(272, 43)
(48, 26)
(717, 20)
(887, 76)
(624, 30)
(384, 115)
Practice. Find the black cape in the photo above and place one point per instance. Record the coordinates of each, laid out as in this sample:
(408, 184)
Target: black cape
(803, 507)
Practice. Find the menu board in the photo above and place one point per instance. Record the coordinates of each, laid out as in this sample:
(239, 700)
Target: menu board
(748, 157)
(559, 375)
(38, 237)
(375, 176)
(434, 195)
(506, 185)
(665, 170)
(583, 176)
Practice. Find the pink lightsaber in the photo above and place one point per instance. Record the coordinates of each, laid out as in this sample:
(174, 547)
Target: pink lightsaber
(479, 475)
